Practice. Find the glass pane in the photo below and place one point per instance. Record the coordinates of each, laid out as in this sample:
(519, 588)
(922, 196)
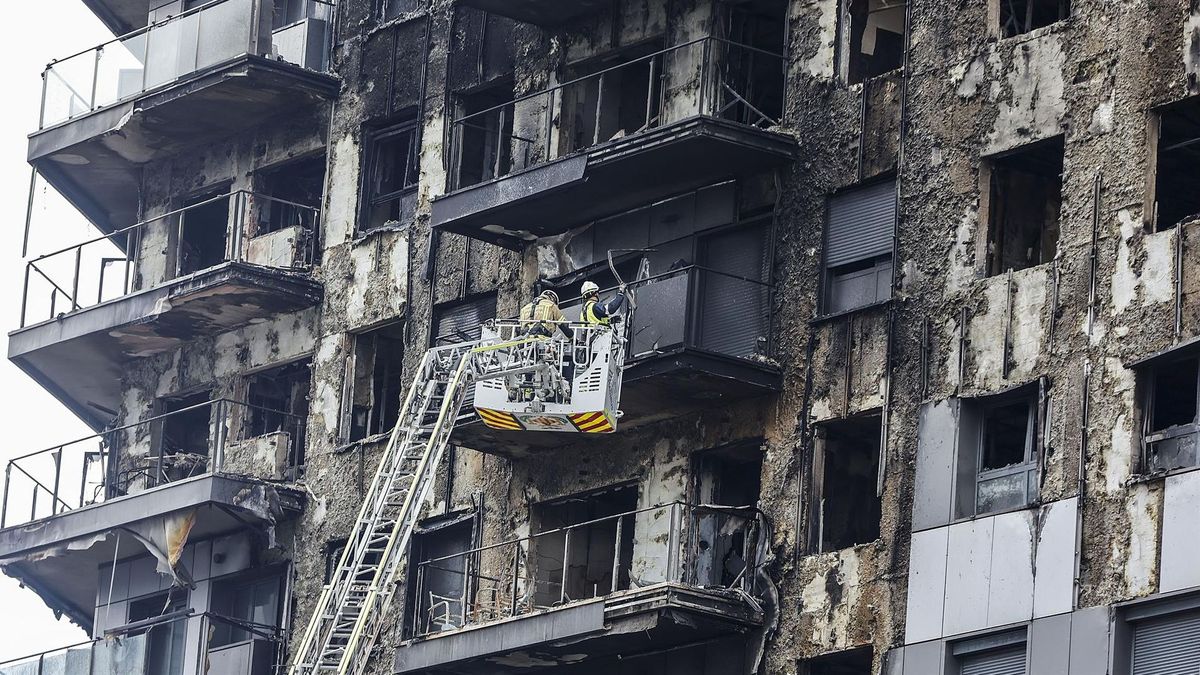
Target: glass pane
(120, 69)
(660, 320)
(69, 88)
(223, 32)
(126, 656)
(1002, 493)
(164, 60)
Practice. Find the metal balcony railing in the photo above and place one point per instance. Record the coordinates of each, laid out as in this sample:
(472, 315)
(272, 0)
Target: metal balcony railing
(182, 45)
(701, 546)
(177, 643)
(193, 441)
(707, 76)
(117, 264)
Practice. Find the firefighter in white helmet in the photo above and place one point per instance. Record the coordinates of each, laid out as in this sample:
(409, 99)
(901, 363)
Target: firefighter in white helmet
(596, 312)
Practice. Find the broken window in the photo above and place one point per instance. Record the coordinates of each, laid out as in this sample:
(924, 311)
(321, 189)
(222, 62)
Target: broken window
(999, 654)
(278, 401)
(756, 30)
(858, 246)
(846, 460)
(1022, 16)
(247, 601)
(333, 555)
(462, 321)
(396, 8)
(168, 639)
(202, 235)
(442, 578)
(590, 553)
(1170, 415)
(999, 445)
(484, 144)
(731, 477)
(1024, 204)
(293, 195)
(375, 382)
(875, 41)
(853, 662)
(181, 438)
(612, 96)
(393, 155)
(1176, 198)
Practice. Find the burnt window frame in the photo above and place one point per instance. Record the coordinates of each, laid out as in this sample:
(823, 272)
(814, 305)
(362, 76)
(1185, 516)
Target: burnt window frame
(349, 393)
(991, 243)
(498, 119)
(1162, 117)
(1001, 28)
(386, 14)
(371, 199)
(852, 63)
(1147, 381)
(972, 431)
(880, 263)
(816, 533)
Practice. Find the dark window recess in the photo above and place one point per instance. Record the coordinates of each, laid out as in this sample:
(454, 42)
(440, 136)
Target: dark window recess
(1170, 425)
(301, 182)
(203, 230)
(997, 654)
(333, 555)
(166, 641)
(760, 25)
(1167, 645)
(395, 8)
(279, 401)
(1024, 204)
(249, 601)
(181, 438)
(855, 662)
(998, 456)
(393, 156)
(1176, 198)
(726, 477)
(376, 381)
(1022, 16)
(858, 247)
(593, 552)
(618, 95)
(462, 321)
(442, 582)
(848, 466)
(876, 38)
(485, 143)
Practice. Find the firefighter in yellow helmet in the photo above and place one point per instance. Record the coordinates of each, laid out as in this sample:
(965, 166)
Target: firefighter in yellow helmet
(544, 310)
(596, 312)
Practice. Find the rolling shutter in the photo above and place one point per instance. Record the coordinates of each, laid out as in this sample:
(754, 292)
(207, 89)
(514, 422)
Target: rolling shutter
(1167, 646)
(461, 322)
(860, 224)
(735, 312)
(1006, 661)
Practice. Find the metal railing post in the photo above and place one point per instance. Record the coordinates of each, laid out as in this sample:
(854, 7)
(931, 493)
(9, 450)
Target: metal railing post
(75, 282)
(616, 566)
(42, 110)
(599, 108)
(673, 543)
(95, 76)
(500, 124)
(4, 504)
(465, 589)
(57, 457)
(549, 127)
(562, 591)
(33, 503)
(25, 294)
(516, 571)
(707, 51)
(222, 435)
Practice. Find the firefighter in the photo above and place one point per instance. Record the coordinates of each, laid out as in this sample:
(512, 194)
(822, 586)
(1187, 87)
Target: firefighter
(544, 310)
(596, 312)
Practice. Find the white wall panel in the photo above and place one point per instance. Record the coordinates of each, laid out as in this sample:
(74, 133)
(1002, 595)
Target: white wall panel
(926, 585)
(1180, 533)
(968, 575)
(1010, 591)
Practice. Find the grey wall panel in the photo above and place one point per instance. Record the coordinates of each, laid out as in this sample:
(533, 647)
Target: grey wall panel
(1010, 591)
(926, 658)
(968, 576)
(1054, 588)
(1180, 545)
(1048, 640)
(936, 437)
(1089, 641)
(893, 662)
(926, 585)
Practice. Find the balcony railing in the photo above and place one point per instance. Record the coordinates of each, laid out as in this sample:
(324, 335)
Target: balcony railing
(115, 265)
(701, 546)
(216, 436)
(177, 643)
(182, 45)
(707, 76)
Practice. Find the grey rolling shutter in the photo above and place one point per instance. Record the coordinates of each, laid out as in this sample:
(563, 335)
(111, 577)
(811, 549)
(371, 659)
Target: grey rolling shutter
(462, 322)
(735, 312)
(1007, 661)
(1167, 646)
(860, 224)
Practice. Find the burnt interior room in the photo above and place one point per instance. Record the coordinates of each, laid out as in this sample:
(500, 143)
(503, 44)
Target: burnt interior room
(876, 38)
(590, 550)
(181, 437)
(1024, 206)
(853, 662)
(278, 399)
(299, 182)
(377, 381)
(848, 465)
(1022, 16)
(435, 593)
(1176, 198)
(484, 147)
(203, 232)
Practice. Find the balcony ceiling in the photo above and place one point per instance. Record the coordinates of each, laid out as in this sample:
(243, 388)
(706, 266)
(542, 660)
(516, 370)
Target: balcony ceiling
(121, 16)
(96, 160)
(79, 357)
(554, 197)
(545, 13)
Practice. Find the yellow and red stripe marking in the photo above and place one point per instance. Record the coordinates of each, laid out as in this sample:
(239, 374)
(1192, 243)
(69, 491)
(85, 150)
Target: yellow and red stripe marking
(499, 420)
(592, 422)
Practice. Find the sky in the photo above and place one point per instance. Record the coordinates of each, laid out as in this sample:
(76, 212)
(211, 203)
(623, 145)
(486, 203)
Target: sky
(33, 33)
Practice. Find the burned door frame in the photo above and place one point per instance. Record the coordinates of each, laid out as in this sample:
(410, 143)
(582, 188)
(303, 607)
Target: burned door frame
(707, 534)
(374, 133)
(576, 80)
(157, 435)
(261, 189)
(177, 224)
(414, 606)
(815, 526)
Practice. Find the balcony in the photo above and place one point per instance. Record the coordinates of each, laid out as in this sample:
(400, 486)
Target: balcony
(88, 309)
(64, 508)
(145, 648)
(546, 13)
(651, 579)
(200, 76)
(698, 338)
(612, 140)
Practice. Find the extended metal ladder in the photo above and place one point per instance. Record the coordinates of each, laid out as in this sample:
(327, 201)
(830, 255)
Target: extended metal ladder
(354, 604)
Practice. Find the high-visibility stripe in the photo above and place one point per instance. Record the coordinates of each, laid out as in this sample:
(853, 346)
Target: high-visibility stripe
(499, 420)
(591, 423)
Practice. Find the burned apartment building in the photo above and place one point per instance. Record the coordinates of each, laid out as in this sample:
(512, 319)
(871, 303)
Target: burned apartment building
(910, 383)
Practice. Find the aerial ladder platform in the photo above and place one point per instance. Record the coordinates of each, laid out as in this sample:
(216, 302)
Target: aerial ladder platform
(517, 382)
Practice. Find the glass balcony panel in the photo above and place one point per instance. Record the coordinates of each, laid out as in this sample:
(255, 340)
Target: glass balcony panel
(223, 32)
(120, 69)
(68, 88)
(123, 656)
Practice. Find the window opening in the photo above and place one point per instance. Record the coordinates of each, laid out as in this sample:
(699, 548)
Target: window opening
(1176, 198)
(1022, 16)
(203, 230)
(1166, 644)
(396, 8)
(854, 662)
(301, 182)
(858, 247)
(394, 159)
(443, 583)
(486, 137)
(618, 96)
(168, 640)
(999, 447)
(278, 401)
(754, 75)
(849, 508)
(250, 599)
(1170, 426)
(1000, 654)
(462, 321)
(182, 437)
(593, 548)
(1025, 200)
(725, 477)
(876, 38)
(376, 383)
